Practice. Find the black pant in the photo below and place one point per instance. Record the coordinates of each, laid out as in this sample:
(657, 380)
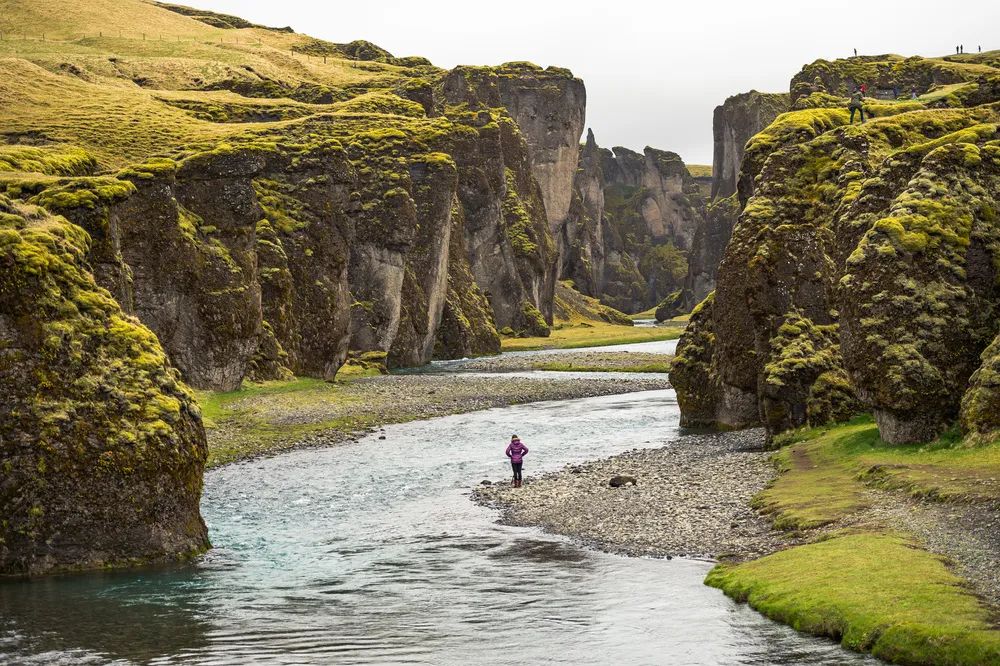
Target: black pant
(517, 470)
(860, 110)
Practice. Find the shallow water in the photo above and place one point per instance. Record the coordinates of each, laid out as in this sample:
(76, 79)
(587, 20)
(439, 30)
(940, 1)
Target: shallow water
(372, 553)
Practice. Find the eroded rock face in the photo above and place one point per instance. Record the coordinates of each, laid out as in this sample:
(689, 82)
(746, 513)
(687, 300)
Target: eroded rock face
(425, 283)
(549, 107)
(468, 326)
(632, 218)
(733, 123)
(183, 237)
(707, 248)
(511, 251)
(102, 447)
(583, 234)
(302, 249)
(861, 274)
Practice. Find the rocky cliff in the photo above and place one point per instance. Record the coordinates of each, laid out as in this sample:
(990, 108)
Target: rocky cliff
(270, 206)
(733, 123)
(632, 219)
(102, 447)
(862, 273)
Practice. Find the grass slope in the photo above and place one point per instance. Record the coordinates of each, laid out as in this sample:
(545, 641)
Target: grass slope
(583, 321)
(825, 471)
(596, 334)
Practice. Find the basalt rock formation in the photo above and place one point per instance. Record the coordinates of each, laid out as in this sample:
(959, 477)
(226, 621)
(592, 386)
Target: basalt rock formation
(733, 123)
(862, 274)
(632, 218)
(269, 205)
(101, 446)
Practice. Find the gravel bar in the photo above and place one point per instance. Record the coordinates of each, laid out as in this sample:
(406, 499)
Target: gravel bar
(691, 499)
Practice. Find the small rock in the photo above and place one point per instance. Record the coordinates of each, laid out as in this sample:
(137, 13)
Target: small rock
(381, 436)
(486, 482)
(620, 480)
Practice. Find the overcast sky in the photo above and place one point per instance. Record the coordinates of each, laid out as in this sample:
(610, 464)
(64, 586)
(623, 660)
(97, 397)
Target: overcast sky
(654, 70)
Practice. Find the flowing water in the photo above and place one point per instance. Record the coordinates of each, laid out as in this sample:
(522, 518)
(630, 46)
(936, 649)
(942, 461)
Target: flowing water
(372, 553)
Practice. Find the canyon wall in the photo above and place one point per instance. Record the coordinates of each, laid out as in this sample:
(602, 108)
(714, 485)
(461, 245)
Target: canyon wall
(862, 273)
(277, 208)
(632, 219)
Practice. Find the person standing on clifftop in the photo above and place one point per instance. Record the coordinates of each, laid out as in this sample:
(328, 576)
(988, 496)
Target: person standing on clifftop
(516, 452)
(855, 53)
(855, 105)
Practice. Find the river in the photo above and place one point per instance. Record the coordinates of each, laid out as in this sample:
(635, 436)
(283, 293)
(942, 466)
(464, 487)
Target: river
(372, 553)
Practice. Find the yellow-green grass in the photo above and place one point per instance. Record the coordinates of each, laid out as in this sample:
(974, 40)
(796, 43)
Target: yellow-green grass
(607, 367)
(592, 334)
(700, 170)
(260, 418)
(825, 471)
(119, 97)
(874, 592)
(645, 314)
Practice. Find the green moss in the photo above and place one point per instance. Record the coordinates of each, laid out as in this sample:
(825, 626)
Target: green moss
(49, 160)
(534, 324)
(875, 593)
(85, 372)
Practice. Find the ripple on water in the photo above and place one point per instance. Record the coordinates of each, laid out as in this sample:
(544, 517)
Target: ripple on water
(373, 553)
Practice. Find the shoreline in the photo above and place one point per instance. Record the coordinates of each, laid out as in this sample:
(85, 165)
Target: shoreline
(278, 416)
(692, 498)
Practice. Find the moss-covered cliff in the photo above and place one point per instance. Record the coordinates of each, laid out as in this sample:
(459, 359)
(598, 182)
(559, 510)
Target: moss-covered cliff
(266, 203)
(863, 271)
(101, 445)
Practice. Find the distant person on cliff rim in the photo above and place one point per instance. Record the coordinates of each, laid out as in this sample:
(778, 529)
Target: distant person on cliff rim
(516, 452)
(856, 105)
(855, 53)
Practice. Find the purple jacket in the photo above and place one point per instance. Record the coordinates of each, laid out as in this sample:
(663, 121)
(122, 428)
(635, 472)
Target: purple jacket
(516, 451)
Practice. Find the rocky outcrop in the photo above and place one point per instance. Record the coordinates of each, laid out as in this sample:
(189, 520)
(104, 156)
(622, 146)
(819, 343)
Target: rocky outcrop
(467, 323)
(511, 251)
(102, 446)
(733, 123)
(302, 259)
(861, 275)
(185, 235)
(631, 220)
(549, 107)
(583, 234)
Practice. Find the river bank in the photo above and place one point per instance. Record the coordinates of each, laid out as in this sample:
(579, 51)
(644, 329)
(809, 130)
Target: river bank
(891, 550)
(275, 416)
(581, 361)
(690, 498)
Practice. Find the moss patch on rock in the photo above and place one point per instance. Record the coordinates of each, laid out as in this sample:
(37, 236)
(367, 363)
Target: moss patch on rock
(103, 447)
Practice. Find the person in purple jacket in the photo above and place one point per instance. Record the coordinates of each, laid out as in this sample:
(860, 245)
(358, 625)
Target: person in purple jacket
(516, 452)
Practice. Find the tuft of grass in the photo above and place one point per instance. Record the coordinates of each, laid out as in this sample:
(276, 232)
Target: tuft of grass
(591, 334)
(699, 170)
(873, 592)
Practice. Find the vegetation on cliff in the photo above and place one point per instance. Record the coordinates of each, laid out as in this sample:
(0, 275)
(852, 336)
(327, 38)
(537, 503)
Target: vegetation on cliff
(102, 445)
(877, 243)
